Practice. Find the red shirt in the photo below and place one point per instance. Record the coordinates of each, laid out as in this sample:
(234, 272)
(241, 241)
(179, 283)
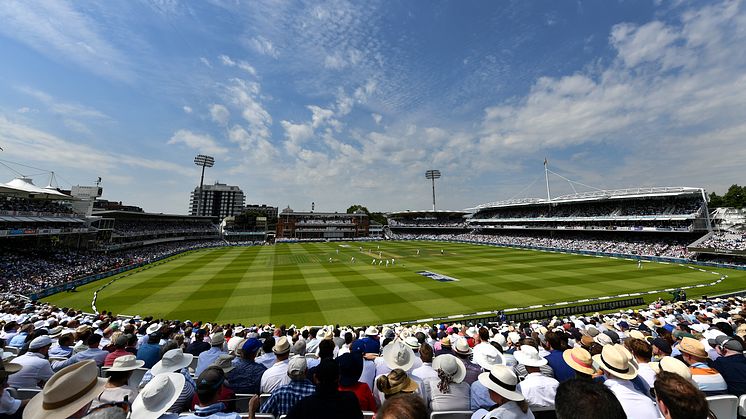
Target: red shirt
(363, 394)
(109, 361)
(224, 394)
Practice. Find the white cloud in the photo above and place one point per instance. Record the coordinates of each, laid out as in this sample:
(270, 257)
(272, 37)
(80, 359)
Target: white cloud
(203, 143)
(219, 114)
(187, 109)
(68, 109)
(25, 109)
(205, 61)
(264, 46)
(377, 118)
(243, 65)
(246, 97)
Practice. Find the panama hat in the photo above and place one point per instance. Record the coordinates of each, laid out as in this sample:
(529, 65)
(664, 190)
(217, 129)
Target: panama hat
(462, 347)
(603, 339)
(395, 382)
(579, 359)
(450, 365)
(126, 363)
(499, 339)
(529, 356)
(671, 364)
(488, 357)
(502, 381)
(412, 342)
(173, 360)
(158, 395)
(282, 346)
(217, 339)
(692, 347)
(371, 331)
(224, 362)
(8, 369)
(614, 361)
(69, 390)
(398, 355)
(636, 334)
(152, 328)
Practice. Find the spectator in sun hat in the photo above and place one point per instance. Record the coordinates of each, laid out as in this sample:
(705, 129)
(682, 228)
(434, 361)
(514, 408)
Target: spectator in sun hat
(117, 386)
(372, 340)
(350, 370)
(217, 341)
(463, 352)
(679, 398)
(9, 406)
(619, 372)
(174, 360)
(395, 382)
(707, 379)
(395, 355)
(443, 346)
(35, 369)
(276, 375)
(731, 363)
(246, 377)
(508, 402)
(448, 391)
(537, 388)
(673, 365)
(68, 394)
(158, 396)
(580, 360)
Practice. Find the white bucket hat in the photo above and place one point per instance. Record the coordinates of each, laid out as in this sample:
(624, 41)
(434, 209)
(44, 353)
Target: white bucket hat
(614, 361)
(158, 395)
(153, 328)
(529, 356)
(173, 360)
(371, 331)
(398, 355)
(462, 347)
(126, 363)
(502, 381)
(671, 364)
(66, 392)
(603, 339)
(412, 342)
(450, 365)
(500, 340)
(488, 357)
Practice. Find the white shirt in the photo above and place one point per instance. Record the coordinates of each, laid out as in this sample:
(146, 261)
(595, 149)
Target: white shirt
(635, 404)
(369, 374)
(8, 405)
(457, 398)
(425, 371)
(646, 373)
(539, 391)
(509, 410)
(275, 376)
(35, 368)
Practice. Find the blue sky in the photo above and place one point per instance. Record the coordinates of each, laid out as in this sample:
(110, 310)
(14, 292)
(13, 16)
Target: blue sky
(350, 102)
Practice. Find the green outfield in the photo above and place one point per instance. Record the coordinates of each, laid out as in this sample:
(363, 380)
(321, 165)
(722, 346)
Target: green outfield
(297, 283)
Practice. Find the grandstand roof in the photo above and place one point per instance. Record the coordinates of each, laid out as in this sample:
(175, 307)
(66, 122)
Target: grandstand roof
(629, 193)
(147, 215)
(26, 185)
(426, 212)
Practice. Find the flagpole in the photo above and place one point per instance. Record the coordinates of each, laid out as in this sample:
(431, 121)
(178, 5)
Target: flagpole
(546, 177)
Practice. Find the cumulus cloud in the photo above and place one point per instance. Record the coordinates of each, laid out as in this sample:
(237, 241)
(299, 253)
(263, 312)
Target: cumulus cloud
(219, 114)
(246, 97)
(201, 142)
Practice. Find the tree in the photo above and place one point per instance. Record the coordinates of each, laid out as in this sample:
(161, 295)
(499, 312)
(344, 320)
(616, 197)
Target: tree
(357, 207)
(378, 217)
(735, 197)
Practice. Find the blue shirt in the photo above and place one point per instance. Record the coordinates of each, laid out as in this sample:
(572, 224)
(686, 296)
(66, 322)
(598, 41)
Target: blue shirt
(207, 358)
(562, 371)
(285, 397)
(150, 353)
(733, 370)
(212, 411)
(18, 340)
(58, 351)
(372, 346)
(246, 376)
(480, 397)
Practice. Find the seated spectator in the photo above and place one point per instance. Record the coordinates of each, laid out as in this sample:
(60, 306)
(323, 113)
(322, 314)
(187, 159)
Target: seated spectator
(174, 361)
(731, 363)
(642, 353)
(277, 374)
(580, 360)
(117, 387)
(68, 394)
(286, 396)
(158, 396)
(198, 345)
(707, 379)
(678, 398)
(246, 377)
(150, 352)
(350, 370)
(217, 341)
(426, 370)
(10, 407)
(463, 352)
(268, 357)
(553, 344)
(448, 391)
(619, 373)
(209, 386)
(508, 403)
(672, 365)
(395, 382)
(538, 389)
(92, 352)
(583, 399)
(661, 348)
(227, 395)
(120, 349)
(63, 348)
(327, 402)
(35, 369)
(403, 406)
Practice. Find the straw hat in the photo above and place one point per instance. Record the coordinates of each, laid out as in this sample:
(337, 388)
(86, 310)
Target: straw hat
(450, 365)
(529, 356)
(603, 339)
(692, 347)
(579, 359)
(446, 341)
(462, 347)
(282, 346)
(488, 357)
(8, 369)
(173, 360)
(671, 364)
(614, 361)
(398, 355)
(502, 381)
(126, 363)
(636, 334)
(69, 390)
(158, 395)
(396, 381)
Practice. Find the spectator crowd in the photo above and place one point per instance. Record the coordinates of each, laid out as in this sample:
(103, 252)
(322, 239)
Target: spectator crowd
(662, 361)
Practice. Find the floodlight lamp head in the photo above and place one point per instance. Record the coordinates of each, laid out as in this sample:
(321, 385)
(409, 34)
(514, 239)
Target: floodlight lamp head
(205, 161)
(432, 174)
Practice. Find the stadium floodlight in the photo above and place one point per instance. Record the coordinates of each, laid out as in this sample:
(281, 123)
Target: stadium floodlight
(432, 175)
(204, 161)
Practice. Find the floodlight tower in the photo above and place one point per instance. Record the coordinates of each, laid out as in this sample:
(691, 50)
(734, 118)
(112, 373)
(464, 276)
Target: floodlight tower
(432, 175)
(204, 161)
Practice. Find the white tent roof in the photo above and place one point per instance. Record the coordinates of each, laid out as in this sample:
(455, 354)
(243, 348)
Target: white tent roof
(24, 184)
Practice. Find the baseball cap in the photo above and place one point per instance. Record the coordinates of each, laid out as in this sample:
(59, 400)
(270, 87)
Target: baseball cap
(726, 342)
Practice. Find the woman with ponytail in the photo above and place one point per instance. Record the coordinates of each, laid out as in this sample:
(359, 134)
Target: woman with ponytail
(448, 391)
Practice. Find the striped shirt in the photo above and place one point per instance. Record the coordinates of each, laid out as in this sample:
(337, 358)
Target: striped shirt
(708, 379)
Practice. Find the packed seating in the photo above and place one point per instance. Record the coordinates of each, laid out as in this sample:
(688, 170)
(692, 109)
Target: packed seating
(726, 241)
(689, 352)
(24, 206)
(143, 227)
